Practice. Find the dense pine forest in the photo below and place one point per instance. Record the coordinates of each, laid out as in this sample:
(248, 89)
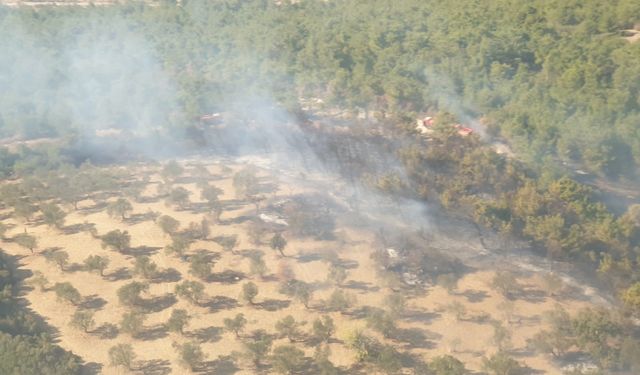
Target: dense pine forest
(558, 81)
(555, 78)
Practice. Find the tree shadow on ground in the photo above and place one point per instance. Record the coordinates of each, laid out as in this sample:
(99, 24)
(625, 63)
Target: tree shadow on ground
(361, 285)
(474, 296)
(97, 207)
(416, 338)
(168, 275)
(308, 257)
(223, 365)
(77, 228)
(273, 304)
(218, 303)
(91, 368)
(142, 250)
(93, 302)
(159, 303)
(227, 277)
(119, 274)
(106, 331)
(531, 295)
(155, 332)
(421, 316)
(74, 267)
(235, 220)
(134, 219)
(154, 367)
(207, 334)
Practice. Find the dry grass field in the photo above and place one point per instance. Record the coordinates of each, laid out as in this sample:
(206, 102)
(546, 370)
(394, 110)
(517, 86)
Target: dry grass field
(459, 321)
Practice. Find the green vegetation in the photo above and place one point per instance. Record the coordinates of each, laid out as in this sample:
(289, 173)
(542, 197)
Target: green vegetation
(554, 79)
(178, 320)
(122, 355)
(235, 325)
(96, 263)
(25, 348)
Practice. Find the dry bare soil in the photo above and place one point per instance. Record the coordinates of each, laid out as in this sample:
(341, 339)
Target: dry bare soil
(429, 327)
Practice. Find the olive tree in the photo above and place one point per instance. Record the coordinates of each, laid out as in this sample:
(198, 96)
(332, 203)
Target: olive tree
(122, 355)
(501, 364)
(257, 266)
(171, 171)
(132, 322)
(235, 325)
(249, 292)
(287, 359)
(179, 245)
(168, 224)
(447, 365)
(211, 194)
(129, 294)
(119, 208)
(178, 320)
(190, 354)
(83, 319)
(179, 197)
(200, 266)
(38, 279)
(323, 328)
(506, 283)
(289, 328)
(340, 300)
(258, 347)
(337, 274)
(60, 258)
(192, 291)
(278, 242)
(52, 215)
(96, 263)
(65, 291)
(27, 241)
(228, 243)
(117, 240)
